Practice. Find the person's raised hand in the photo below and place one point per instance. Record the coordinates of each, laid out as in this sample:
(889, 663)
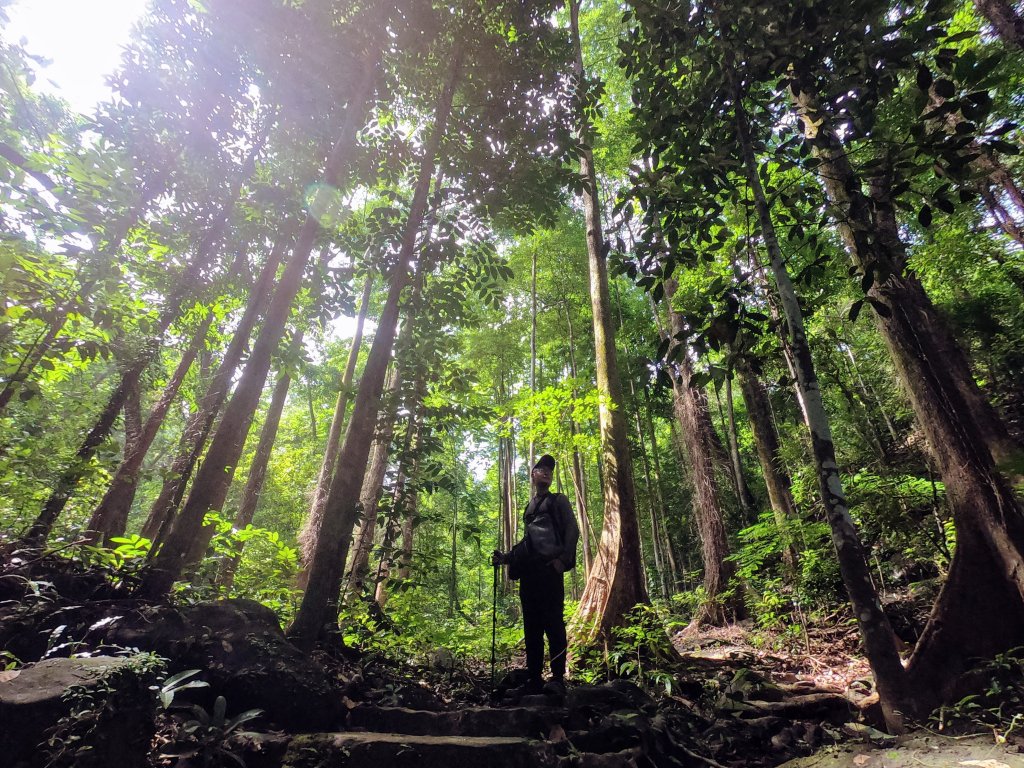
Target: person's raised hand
(498, 558)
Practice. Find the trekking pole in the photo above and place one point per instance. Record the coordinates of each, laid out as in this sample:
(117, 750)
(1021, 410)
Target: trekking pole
(494, 625)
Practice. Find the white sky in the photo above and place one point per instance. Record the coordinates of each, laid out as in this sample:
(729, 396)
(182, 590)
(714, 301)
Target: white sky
(83, 38)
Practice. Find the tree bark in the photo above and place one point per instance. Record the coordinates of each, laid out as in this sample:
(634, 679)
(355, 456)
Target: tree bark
(766, 442)
(694, 417)
(197, 429)
(876, 632)
(258, 469)
(111, 515)
(323, 481)
(1004, 19)
(615, 584)
(213, 478)
(965, 436)
(373, 485)
(333, 537)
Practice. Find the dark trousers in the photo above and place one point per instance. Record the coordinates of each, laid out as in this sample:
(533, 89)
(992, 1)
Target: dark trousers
(542, 594)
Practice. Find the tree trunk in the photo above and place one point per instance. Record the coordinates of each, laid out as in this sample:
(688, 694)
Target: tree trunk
(694, 417)
(258, 469)
(111, 514)
(1004, 19)
(662, 511)
(579, 475)
(766, 442)
(323, 481)
(373, 485)
(197, 429)
(963, 432)
(876, 632)
(615, 584)
(739, 479)
(333, 537)
(213, 478)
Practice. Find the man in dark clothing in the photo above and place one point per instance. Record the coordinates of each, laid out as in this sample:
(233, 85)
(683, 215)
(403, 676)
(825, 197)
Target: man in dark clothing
(547, 550)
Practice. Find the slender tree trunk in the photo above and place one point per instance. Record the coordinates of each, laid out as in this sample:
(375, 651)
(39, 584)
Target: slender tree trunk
(766, 442)
(111, 514)
(333, 537)
(579, 475)
(197, 429)
(323, 481)
(373, 485)
(258, 469)
(213, 478)
(615, 584)
(877, 634)
(694, 417)
(533, 349)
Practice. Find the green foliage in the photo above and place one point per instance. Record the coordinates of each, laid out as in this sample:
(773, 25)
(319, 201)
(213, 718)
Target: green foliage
(204, 738)
(999, 708)
(104, 712)
(639, 651)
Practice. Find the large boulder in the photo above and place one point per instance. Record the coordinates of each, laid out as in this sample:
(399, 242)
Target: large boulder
(93, 712)
(243, 655)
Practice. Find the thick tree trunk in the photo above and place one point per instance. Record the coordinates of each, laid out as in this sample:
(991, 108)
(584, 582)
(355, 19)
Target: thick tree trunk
(615, 584)
(870, 231)
(876, 632)
(111, 514)
(694, 417)
(766, 442)
(1004, 19)
(323, 481)
(258, 469)
(214, 476)
(964, 435)
(197, 429)
(333, 537)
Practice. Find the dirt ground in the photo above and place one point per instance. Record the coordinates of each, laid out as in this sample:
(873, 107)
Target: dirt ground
(916, 750)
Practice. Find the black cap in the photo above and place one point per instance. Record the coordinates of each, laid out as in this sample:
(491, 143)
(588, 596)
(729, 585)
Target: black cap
(545, 461)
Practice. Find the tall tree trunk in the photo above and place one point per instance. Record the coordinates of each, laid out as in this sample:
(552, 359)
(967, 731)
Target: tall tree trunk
(876, 632)
(966, 438)
(766, 442)
(533, 352)
(615, 584)
(197, 429)
(213, 478)
(258, 469)
(111, 514)
(333, 537)
(579, 475)
(323, 481)
(694, 417)
(373, 484)
(740, 486)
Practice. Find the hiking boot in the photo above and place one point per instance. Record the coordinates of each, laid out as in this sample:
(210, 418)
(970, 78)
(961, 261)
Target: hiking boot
(529, 688)
(555, 687)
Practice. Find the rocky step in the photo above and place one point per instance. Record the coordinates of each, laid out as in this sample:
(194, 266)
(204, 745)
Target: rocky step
(524, 722)
(374, 750)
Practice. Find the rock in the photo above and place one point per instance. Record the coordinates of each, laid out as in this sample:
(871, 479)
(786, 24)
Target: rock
(618, 694)
(244, 656)
(614, 733)
(108, 703)
(473, 721)
(374, 750)
(869, 734)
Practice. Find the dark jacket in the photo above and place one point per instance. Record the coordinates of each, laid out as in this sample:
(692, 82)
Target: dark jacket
(550, 534)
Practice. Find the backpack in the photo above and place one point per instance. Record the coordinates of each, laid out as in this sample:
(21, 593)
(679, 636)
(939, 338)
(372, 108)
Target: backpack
(544, 537)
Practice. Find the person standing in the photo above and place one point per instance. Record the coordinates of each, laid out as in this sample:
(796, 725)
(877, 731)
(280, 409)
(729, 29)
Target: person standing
(546, 552)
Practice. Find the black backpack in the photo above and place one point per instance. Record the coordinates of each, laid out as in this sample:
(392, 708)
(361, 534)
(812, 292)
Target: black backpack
(545, 538)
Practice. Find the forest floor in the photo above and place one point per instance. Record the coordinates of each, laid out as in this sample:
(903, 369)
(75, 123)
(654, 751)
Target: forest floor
(739, 697)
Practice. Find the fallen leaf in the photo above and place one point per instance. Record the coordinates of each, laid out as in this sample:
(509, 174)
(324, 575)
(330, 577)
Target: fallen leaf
(8, 674)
